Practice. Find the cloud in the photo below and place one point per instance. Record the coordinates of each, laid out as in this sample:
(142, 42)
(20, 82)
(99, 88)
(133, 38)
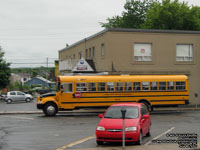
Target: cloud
(34, 29)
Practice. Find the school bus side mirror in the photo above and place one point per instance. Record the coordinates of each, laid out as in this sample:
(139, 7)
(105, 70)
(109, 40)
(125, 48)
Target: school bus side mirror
(61, 88)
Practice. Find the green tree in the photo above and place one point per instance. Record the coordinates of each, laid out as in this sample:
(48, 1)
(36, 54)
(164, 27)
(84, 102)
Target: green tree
(34, 73)
(172, 15)
(4, 70)
(153, 14)
(133, 16)
(17, 85)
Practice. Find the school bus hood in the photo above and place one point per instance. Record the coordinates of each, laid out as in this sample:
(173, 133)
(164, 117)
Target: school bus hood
(48, 94)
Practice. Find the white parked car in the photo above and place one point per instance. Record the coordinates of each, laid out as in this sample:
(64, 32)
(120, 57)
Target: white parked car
(14, 96)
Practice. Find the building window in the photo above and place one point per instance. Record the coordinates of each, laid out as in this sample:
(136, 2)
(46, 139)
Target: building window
(86, 53)
(142, 52)
(184, 52)
(93, 52)
(80, 55)
(90, 52)
(102, 50)
(74, 57)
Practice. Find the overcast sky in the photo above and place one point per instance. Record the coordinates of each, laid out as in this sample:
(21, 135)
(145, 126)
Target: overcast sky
(32, 30)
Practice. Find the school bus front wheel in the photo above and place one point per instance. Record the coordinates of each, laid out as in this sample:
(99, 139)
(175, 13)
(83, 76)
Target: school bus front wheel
(50, 109)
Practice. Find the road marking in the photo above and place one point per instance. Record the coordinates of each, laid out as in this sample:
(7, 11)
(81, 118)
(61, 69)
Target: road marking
(172, 128)
(75, 143)
(19, 117)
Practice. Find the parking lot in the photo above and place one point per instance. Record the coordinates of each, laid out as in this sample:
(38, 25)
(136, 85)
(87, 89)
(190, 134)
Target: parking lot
(76, 130)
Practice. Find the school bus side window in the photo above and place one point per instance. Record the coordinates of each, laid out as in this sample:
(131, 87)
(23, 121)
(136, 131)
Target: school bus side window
(67, 87)
(128, 86)
(119, 86)
(145, 86)
(110, 86)
(81, 87)
(162, 86)
(136, 86)
(180, 86)
(170, 86)
(92, 87)
(154, 86)
(101, 86)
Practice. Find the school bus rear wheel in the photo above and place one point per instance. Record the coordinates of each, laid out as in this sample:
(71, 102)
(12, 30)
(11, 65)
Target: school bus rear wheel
(50, 109)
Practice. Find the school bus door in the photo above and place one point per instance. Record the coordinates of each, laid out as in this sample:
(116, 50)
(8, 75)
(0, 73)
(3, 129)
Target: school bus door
(66, 96)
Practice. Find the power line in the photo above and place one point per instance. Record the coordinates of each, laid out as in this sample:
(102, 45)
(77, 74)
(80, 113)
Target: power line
(32, 63)
(44, 38)
(30, 58)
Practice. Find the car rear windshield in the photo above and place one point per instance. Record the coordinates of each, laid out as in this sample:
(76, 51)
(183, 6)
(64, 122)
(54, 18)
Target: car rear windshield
(114, 112)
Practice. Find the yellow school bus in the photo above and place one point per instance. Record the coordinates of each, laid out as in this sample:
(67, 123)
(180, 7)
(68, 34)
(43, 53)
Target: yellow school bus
(74, 92)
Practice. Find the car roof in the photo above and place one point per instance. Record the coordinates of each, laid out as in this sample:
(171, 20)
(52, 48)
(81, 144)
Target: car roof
(128, 104)
(15, 91)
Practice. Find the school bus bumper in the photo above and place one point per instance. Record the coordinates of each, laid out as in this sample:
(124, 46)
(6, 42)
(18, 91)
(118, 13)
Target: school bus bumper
(40, 106)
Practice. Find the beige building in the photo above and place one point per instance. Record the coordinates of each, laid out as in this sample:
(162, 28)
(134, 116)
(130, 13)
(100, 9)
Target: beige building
(136, 51)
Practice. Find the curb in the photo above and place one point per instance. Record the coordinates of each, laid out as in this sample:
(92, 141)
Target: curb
(19, 112)
(97, 111)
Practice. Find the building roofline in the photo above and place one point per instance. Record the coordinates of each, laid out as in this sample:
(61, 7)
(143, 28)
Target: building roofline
(153, 31)
(85, 39)
(131, 30)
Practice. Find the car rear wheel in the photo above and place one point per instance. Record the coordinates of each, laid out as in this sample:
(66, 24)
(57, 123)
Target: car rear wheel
(99, 142)
(139, 142)
(9, 101)
(50, 109)
(28, 100)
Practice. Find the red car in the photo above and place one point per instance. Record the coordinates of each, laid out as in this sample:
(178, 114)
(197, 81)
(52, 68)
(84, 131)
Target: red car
(137, 123)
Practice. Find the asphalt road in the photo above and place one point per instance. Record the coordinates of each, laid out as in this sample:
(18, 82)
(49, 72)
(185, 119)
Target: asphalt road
(76, 130)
